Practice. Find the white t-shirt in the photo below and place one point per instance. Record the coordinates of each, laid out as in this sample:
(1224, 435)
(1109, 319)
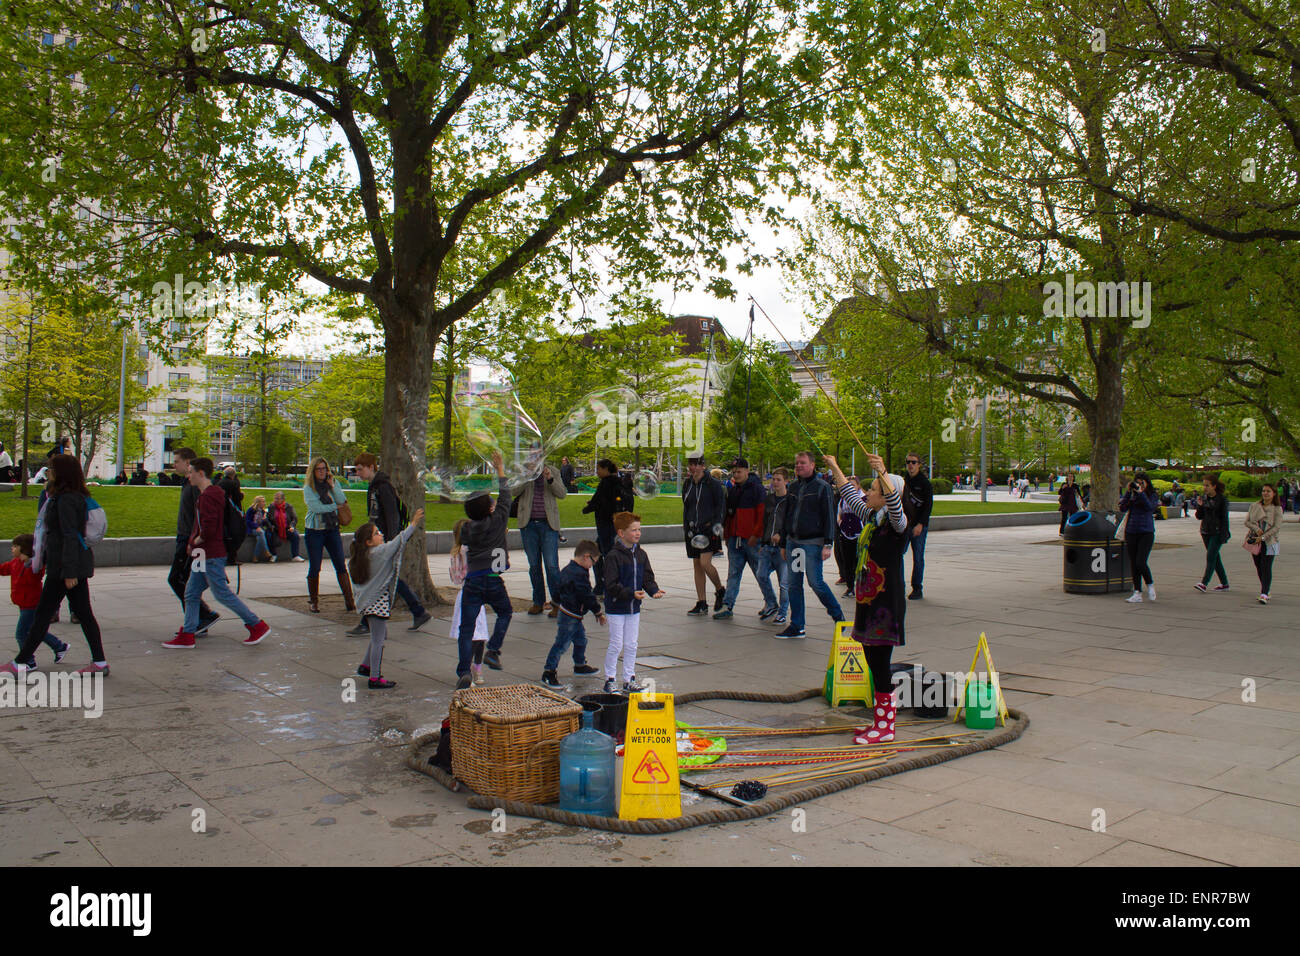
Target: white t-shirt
(5, 460)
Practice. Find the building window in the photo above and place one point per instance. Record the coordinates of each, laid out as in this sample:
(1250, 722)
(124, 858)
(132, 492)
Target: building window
(142, 379)
(47, 39)
(179, 406)
(178, 379)
(179, 354)
(143, 352)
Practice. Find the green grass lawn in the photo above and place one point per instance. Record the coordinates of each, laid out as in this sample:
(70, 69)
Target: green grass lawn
(150, 511)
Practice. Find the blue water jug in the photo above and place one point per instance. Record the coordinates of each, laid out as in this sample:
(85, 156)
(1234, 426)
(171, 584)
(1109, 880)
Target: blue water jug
(587, 770)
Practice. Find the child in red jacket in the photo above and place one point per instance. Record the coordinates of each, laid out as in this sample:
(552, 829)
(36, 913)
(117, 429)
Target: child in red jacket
(25, 592)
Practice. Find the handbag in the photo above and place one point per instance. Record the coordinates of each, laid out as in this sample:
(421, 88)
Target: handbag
(344, 514)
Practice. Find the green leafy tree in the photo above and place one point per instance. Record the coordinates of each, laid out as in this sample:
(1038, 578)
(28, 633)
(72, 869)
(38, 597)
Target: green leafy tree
(766, 416)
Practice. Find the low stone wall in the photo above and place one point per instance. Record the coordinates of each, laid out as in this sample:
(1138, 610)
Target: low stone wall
(121, 552)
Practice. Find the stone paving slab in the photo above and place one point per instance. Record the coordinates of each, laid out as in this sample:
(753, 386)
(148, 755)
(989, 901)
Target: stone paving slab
(1135, 709)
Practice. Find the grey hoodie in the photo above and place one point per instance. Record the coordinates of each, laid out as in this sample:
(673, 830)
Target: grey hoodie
(385, 564)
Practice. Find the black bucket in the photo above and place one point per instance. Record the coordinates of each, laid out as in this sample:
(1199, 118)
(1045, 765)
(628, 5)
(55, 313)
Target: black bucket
(610, 713)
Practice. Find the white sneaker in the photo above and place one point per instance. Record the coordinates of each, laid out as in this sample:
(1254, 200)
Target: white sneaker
(297, 557)
(1136, 598)
(274, 558)
(1151, 592)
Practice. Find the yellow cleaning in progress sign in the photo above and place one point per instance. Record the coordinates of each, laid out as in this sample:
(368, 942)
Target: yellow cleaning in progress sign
(847, 675)
(651, 787)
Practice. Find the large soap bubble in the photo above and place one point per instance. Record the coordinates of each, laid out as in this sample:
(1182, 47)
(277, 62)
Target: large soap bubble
(445, 482)
(493, 420)
(596, 410)
(646, 485)
(722, 367)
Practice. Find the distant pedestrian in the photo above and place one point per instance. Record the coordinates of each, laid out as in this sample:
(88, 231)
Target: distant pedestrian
(1212, 511)
(1263, 534)
(230, 485)
(1068, 501)
(847, 526)
(743, 527)
(918, 501)
(575, 598)
(567, 475)
(181, 561)
(538, 519)
(323, 496)
(704, 508)
(283, 525)
(770, 558)
(607, 501)
(1140, 534)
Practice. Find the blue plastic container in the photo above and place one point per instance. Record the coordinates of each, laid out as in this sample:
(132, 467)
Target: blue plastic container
(587, 783)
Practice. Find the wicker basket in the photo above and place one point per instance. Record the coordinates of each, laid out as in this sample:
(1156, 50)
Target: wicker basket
(505, 741)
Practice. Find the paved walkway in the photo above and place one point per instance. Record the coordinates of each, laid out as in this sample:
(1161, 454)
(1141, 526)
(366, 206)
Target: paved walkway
(1136, 711)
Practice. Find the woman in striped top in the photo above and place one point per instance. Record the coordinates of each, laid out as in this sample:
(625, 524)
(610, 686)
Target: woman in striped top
(880, 585)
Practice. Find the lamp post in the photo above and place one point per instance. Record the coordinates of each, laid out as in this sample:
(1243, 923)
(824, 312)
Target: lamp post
(309, 459)
(984, 449)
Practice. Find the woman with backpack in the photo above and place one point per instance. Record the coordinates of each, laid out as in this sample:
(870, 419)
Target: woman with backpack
(1212, 511)
(324, 498)
(69, 563)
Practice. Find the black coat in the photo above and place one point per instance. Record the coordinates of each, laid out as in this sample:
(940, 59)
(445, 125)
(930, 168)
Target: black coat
(65, 526)
(1214, 516)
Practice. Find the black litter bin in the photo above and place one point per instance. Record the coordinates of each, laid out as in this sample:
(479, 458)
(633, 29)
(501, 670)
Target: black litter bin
(1095, 560)
(610, 713)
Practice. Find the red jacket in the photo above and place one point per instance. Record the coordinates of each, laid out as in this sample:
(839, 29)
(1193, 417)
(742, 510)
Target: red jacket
(745, 506)
(25, 586)
(210, 522)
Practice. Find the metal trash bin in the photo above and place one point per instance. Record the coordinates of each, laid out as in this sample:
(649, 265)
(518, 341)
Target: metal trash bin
(1096, 562)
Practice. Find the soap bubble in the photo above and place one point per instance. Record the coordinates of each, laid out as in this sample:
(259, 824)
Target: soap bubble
(646, 485)
(488, 408)
(594, 411)
(722, 367)
(445, 482)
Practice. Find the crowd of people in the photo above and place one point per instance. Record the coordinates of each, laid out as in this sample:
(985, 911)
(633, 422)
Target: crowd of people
(787, 528)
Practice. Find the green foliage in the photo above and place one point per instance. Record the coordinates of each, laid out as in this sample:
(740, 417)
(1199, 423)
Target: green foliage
(941, 486)
(771, 434)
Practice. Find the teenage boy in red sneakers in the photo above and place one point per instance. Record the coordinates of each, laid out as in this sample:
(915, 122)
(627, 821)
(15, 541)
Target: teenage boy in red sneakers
(210, 569)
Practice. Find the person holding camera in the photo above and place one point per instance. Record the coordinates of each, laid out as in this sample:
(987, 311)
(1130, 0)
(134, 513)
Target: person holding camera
(1140, 535)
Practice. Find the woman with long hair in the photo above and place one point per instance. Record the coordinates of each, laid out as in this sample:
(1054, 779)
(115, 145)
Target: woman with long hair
(1140, 534)
(1263, 533)
(375, 566)
(880, 584)
(69, 563)
(323, 496)
(1212, 512)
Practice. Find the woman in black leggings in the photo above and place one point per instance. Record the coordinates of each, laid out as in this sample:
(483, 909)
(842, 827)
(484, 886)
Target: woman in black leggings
(69, 565)
(1140, 503)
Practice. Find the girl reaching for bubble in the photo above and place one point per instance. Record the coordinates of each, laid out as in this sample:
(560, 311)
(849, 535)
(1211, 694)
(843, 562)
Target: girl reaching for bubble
(374, 565)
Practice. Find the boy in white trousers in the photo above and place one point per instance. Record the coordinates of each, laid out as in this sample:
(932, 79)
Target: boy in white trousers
(628, 579)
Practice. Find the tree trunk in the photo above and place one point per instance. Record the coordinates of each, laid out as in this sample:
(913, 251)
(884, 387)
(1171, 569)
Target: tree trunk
(1104, 424)
(408, 372)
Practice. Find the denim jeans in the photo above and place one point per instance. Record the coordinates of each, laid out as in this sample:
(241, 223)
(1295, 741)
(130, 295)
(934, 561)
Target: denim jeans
(604, 541)
(740, 553)
(812, 564)
(260, 546)
(273, 541)
(570, 630)
(404, 591)
(25, 617)
(542, 546)
(214, 576)
(477, 591)
(319, 541)
(769, 560)
(917, 545)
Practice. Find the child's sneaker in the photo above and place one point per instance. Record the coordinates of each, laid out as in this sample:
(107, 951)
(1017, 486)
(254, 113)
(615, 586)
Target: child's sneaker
(633, 686)
(256, 632)
(1134, 598)
(493, 660)
(183, 639)
(790, 633)
(31, 666)
(93, 668)
(381, 683)
(585, 670)
(363, 670)
(701, 609)
(611, 685)
(462, 682)
(1151, 592)
(1220, 587)
(1199, 586)
(61, 653)
(723, 615)
(1263, 599)
(361, 630)
(477, 671)
(549, 679)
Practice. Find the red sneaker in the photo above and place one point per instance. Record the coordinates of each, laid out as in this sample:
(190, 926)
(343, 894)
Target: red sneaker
(93, 668)
(256, 632)
(183, 638)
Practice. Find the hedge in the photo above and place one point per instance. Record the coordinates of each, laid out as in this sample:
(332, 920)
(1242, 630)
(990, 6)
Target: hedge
(941, 486)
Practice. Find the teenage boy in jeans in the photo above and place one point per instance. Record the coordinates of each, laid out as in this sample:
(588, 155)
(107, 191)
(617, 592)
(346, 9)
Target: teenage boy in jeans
(181, 560)
(807, 530)
(486, 556)
(209, 538)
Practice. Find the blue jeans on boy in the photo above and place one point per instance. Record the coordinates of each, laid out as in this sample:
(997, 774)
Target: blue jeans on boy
(213, 576)
(25, 617)
(917, 545)
(406, 594)
(478, 590)
(570, 630)
(812, 566)
(769, 560)
(542, 546)
(739, 554)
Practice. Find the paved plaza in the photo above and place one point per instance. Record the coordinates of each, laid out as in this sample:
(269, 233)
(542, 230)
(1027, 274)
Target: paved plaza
(1136, 711)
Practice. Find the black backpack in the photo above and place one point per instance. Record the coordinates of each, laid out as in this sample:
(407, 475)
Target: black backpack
(235, 531)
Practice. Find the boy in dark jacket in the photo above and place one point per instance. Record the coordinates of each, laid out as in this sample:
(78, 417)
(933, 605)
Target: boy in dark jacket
(486, 557)
(746, 501)
(384, 509)
(628, 579)
(575, 598)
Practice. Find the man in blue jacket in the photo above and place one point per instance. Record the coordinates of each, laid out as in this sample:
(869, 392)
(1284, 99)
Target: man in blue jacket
(808, 529)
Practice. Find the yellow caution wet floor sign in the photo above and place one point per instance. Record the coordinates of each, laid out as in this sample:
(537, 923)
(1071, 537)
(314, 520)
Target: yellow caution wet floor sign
(651, 788)
(987, 683)
(847, 675)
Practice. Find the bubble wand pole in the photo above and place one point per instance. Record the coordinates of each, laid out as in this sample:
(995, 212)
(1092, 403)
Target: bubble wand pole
(816, 381)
